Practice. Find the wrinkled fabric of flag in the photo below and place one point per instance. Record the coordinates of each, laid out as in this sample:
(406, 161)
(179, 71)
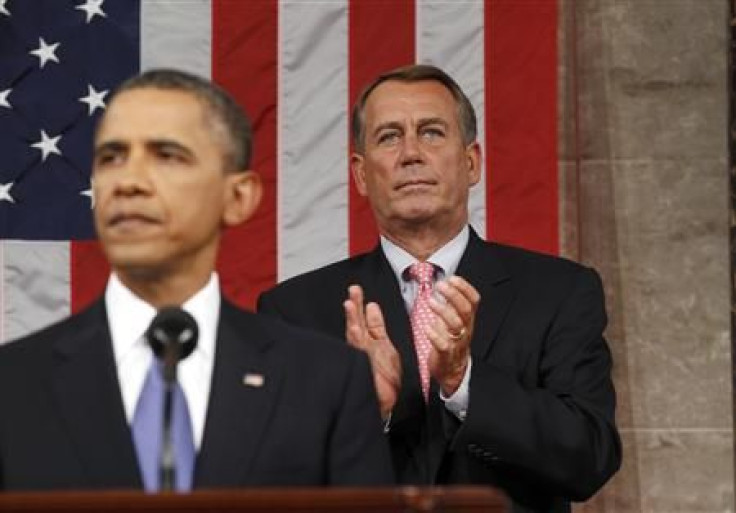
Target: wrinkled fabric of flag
(296, 66)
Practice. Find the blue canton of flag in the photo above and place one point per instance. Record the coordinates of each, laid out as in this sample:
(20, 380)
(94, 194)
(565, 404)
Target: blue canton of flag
(59, 60)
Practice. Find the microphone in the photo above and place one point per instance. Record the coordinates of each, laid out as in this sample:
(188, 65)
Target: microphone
(172, 335)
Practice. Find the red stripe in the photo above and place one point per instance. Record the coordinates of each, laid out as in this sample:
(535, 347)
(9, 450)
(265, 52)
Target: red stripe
(381, 38)
(244, 61)
(88, 273)
(521, 122)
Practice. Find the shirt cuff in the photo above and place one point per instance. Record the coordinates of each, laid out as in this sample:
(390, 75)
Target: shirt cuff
(457, 403)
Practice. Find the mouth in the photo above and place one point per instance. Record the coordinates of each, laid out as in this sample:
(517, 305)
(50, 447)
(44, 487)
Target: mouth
(130, 221)
(414, 184)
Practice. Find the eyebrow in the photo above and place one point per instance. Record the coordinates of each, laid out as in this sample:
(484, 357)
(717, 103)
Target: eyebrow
(109, 146)
(432, 121)
(394, 125)
(117, 146)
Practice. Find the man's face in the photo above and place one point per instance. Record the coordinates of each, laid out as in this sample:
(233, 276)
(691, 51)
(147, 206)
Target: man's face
(160, 187)
(415, 169)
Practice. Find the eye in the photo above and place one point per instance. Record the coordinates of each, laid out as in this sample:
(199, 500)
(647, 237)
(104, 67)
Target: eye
(388, 138)
(108, 158)
(432, 133)
(170, 155)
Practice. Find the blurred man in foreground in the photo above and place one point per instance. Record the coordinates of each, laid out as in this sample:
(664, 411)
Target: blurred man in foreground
(263, 403)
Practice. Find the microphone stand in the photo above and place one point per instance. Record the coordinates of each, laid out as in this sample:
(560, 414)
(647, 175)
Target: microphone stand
(172, 336)
(168, 461)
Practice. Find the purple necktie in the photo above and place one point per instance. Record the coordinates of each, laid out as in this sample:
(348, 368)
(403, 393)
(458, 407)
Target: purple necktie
(147, 432)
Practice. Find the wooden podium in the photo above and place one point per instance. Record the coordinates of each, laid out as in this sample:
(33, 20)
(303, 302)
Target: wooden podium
(464, 499)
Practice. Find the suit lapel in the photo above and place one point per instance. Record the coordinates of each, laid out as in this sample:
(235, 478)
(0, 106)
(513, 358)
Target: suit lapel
(483, 268)
(86, 390)
(239, 409)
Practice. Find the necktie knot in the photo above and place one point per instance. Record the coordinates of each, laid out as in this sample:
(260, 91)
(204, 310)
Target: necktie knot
(422, 272)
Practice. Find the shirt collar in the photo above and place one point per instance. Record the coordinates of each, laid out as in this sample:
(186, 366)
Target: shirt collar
(445, 258)
(129, 316)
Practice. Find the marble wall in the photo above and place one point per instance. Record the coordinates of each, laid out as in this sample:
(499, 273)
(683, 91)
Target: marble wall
(644, 181)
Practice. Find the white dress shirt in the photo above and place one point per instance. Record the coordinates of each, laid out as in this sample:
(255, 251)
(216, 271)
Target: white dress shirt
(129, 317)
(445, 260)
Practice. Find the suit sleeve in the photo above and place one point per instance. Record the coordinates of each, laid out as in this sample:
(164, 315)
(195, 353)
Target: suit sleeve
(559, 433)
(359, 454)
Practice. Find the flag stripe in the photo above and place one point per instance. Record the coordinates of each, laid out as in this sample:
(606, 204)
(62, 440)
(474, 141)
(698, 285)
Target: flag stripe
(245, 63)
(313, 182)
(176, 34)
(450, 35)
(521, 127)
(382, 37)
(35, 285)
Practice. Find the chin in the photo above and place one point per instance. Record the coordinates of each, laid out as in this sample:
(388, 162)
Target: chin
(134, 259)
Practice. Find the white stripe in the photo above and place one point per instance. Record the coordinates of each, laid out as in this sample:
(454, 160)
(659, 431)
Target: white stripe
(451, 35)
(2, 292)
(313, 130)
(177, 34)
(36, 283)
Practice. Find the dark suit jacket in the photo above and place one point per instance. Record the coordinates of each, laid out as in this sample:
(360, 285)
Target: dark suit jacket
(540, 422)
(315, 420)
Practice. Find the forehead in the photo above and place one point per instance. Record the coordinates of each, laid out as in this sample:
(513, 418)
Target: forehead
(151, 112)
(394, 100)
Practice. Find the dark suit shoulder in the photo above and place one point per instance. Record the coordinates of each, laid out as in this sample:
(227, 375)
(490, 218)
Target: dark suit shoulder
(284, 336)
(516, 257)
(315, 298)
(540, 269)
(331, 275)
(41, 341)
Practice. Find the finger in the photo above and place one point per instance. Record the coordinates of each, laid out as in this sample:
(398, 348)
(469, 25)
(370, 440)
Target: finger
(375, 323)
(355, 328)
(440, 343)
(354, 332)
(447, 315)
(355, 295)
(455, 298)
(467, 290)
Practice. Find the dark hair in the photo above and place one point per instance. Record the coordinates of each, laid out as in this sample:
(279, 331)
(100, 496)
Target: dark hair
(227, 116)
(410, 74)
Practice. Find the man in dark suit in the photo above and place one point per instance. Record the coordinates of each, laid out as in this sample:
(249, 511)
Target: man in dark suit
(269, 404)
(514, 386)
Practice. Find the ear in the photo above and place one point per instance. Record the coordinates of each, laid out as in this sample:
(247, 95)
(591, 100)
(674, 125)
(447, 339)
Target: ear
(242, 197)
(357, 166)
(474, 158)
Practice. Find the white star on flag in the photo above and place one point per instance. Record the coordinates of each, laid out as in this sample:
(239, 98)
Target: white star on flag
(4, 99)
(3, 9)
(94, 99)
(92, 8)
(45, 52)
(47, 145)
(90, 194)
(5, 192)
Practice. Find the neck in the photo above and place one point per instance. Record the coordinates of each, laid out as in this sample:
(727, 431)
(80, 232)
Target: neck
(421, 241)
(163, 289)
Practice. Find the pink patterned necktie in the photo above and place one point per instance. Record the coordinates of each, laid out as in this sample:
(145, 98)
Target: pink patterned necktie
(421, 317)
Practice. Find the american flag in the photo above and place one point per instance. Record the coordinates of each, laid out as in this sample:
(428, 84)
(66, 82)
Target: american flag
(296, 66)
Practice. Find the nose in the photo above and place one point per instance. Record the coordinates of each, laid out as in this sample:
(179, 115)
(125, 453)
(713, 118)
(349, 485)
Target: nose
(134, 178)
(411, 151)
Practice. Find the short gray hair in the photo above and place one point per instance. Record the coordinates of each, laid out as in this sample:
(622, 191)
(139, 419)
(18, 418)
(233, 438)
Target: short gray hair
(410, 74)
